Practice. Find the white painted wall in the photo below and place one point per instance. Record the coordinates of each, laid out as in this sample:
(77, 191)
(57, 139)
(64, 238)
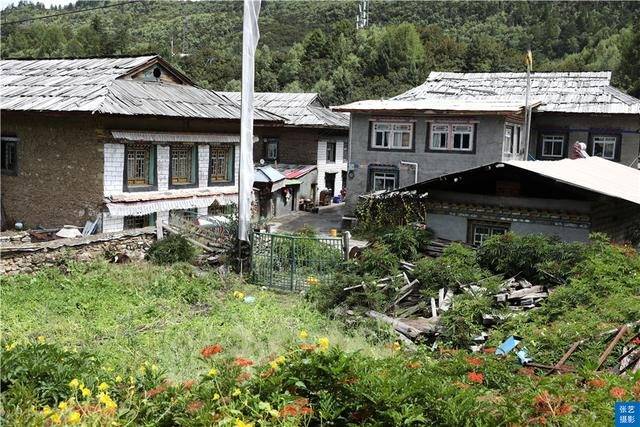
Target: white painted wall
(330, 167)
(113, 169)
(162, 162)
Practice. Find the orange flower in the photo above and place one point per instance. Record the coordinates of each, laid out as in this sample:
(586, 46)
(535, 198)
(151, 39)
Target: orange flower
(240, 361)
(474, 361)
(617, 392)
(489, 350)
(636, 390)
(188, 384)
(210, 350)
(564, 409)
(414, 365)
(244, 376)
(636, 341)
(195, 406)
(308, 347)
(475, 377)
(544, 403)
(305, 410)
(597, 383)
(267, 373)
(156, 391)
(289, 410)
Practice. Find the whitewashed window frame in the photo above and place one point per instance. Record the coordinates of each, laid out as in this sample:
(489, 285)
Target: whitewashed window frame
(477, 237)
(553, 139)
(453, 129)
(604, 140)
(272, 148)
(390, 131)
(384, 176)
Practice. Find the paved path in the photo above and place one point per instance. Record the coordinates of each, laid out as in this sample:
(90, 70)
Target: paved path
(328, 217)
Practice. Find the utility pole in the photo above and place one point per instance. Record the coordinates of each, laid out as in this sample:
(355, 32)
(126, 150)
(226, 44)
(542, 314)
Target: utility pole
(527, 108)
(362, 20)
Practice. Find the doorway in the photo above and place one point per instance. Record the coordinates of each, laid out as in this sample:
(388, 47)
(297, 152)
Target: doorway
(330, 182)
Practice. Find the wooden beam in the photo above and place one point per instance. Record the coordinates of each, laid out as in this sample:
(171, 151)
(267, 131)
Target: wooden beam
(603, 357)
(564, 358)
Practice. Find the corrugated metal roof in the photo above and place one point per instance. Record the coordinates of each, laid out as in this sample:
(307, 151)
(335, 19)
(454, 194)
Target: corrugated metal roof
(267, 174)
(592, 173)
(96, 86)
(294, 171)
(556, 92)
(299, 109)
(135, 135)
(440, 105)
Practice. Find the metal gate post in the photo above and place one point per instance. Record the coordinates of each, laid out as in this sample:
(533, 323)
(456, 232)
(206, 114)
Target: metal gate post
(271, 261)
(346, 237)
(293, 261)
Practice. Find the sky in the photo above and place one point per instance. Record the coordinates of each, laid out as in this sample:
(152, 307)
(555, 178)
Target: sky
(47, 3)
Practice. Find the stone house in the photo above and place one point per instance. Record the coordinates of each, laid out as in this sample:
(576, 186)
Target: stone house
(313, 138)
(124, 140)
(458, 121)
(569, 198)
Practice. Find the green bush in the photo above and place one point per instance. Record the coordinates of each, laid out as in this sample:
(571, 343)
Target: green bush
(378, 261)
(173, 248)
(530, 256)
(407, 242)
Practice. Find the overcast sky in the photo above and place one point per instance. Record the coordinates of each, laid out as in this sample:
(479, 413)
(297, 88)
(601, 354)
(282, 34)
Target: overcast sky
(47, 3)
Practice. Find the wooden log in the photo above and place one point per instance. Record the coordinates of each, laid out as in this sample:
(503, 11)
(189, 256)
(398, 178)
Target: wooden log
(564, 358)
(526, 292)
(612, 344)
(397, 324)
(434, 310)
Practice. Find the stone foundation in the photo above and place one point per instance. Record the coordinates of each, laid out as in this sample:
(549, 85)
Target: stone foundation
(31, 257)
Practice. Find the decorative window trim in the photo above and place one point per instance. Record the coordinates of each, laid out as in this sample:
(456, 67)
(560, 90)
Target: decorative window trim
(393, 131)
(617, 148)
(147, 221)
(153, 168)
(268, 141)
(230, 171)
(8, 141)
(434, 127)
(386, 169)
(194, 166)
(564, 146)
(491, 225)
(516, 135)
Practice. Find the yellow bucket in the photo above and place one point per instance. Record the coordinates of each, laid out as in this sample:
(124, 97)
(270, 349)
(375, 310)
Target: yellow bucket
(333, 232)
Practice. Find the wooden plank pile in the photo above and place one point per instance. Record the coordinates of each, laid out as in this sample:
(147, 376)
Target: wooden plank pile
(521, 294)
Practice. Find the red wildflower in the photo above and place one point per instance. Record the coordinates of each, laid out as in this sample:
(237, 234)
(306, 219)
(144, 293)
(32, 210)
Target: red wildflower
(636, 341)
(414, 365)
(475, 377)
(301, 401)
(306, 410)
(244, 376)
(210, 350)
(241, 361)
(289, 410)
(188, 384)
(547, 404)
(597, 383)
(195, 406)
(474, 361)
(156, 391)
(617, 392)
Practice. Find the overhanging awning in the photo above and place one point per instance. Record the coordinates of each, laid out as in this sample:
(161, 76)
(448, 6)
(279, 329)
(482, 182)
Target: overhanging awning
(292, 182)
(167, 137)
(146, 208)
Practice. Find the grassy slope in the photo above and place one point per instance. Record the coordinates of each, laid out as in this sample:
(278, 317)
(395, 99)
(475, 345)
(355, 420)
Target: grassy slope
(132, 314)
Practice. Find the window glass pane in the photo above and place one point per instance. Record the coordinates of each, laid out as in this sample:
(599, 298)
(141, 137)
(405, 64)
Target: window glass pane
(508, 140)
(381, 139)
(138, 165)
(272, 149)
(439, 140)
(552, 145)
(221, 166)
(9, 154)
(462, 137)
(604, 146)
(182, 165)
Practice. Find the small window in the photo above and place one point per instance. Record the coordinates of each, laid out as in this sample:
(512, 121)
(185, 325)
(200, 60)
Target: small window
(507, 145)
(221, 158)
(397, 136)
(345, 151)
(605, 147)
(184, 165)
(383, 178)
(451, 137)
(140, 166)
(331, 152)
(133, 222)
(481, 231)
(178, 215)
(9, 155)
(553, 145)
(271, 147)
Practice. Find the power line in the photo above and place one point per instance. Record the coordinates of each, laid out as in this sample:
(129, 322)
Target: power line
(20, 21)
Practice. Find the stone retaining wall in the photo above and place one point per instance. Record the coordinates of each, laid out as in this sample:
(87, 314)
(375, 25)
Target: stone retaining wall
(30, 257)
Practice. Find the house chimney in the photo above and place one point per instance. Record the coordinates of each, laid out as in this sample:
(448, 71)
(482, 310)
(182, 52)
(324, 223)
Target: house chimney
(578, 151)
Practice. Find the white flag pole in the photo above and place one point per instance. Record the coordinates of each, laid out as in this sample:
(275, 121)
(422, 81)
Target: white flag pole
(527, 108)
(250, 36)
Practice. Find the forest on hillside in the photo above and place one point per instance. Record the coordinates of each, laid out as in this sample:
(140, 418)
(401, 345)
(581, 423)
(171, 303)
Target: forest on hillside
(315, 46)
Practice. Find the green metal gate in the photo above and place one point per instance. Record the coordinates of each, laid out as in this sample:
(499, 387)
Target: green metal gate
(292, 263)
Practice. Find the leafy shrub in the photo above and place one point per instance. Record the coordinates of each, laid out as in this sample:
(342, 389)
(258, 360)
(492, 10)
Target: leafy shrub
(407, 242)
(378, 261)
(173, 248)
(530, 256)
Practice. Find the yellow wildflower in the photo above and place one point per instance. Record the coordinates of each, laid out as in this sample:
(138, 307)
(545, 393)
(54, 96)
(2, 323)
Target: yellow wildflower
(240, 423)
(106, 400)
(103, 386)
(118, 379)
(74, 383)
(63, 405)
(303, 335)
(11, 346)
(40, 339)
(213, 372)
(274, 365)
(323, 343)
(236, 392)
(312, 280)
(238, 295)
(86, 392)
(74, 418)
(142, 369)
(56, 418)
(216, 396)
(280, 360)
(154, 368)
(46, 411)
(132, 380)
(396, 346)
